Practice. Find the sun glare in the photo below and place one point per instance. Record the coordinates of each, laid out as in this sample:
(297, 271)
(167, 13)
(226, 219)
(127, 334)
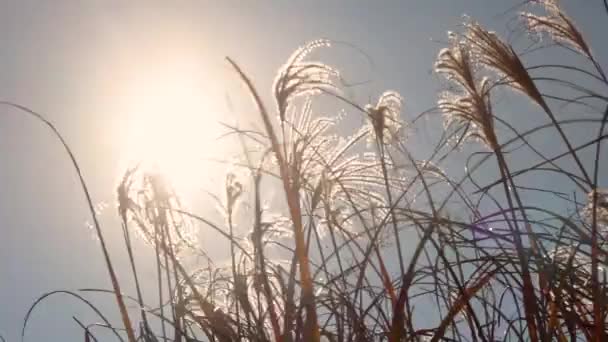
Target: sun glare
(171, 127)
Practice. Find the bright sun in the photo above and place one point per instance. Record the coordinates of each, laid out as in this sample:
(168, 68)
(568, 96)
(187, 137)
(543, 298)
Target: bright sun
(171, 127)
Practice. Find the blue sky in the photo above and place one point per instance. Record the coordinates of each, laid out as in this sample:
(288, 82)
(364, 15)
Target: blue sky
(82, 63)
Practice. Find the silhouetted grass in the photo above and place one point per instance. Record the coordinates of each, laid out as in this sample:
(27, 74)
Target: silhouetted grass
(369, 243)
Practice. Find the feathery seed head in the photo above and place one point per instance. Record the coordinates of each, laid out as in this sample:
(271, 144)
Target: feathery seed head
(601, 203)
(557, 25)
(466, 107)
(303, 78)
(234, 189)
(496, 55)
(384, 117)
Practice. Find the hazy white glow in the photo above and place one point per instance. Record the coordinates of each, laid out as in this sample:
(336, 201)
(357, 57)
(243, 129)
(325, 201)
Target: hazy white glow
(171, 126)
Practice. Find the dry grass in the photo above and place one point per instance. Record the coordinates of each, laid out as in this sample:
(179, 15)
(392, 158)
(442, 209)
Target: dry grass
(332, 264)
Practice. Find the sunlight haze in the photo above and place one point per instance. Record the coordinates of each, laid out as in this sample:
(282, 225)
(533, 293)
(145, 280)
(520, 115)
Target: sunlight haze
(146, 83)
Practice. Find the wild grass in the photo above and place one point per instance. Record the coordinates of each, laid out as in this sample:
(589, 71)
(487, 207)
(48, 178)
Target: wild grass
(366, 242)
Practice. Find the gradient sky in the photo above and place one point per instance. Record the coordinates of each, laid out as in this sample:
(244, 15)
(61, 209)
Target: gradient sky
(90, 67)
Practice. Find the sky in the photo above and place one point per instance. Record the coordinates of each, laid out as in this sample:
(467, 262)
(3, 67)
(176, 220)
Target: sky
(99, 69)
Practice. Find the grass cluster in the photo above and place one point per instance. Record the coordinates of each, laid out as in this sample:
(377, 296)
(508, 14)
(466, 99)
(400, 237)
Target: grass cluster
(366, 242)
